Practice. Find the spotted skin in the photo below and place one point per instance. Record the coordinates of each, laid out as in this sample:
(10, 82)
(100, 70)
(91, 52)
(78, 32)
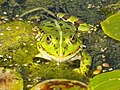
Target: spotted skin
(60, 41)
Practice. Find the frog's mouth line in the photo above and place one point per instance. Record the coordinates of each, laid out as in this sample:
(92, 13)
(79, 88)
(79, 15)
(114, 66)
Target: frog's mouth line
(48, 56)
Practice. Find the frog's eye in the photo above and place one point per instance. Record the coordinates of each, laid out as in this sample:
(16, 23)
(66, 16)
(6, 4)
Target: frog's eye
(49, 40)
(72, 39)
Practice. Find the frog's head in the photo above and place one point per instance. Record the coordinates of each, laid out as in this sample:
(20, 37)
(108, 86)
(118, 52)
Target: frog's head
(58, 42)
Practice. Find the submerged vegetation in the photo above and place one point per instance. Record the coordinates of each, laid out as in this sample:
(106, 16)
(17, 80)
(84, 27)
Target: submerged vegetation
(18, 45)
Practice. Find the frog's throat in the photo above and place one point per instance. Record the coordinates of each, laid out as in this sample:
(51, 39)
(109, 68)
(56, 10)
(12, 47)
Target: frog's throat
(59, 58)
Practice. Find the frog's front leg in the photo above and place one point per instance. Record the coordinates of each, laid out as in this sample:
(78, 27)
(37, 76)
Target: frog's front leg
(85, 64)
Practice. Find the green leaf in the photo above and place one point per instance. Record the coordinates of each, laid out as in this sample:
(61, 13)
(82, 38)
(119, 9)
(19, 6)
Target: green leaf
(111, 26)
(10, 80)
(106, 81)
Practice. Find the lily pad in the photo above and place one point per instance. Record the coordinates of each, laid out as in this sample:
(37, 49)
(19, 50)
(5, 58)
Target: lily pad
(60, 84)
(111, 26)
(10, 80)
(106, 81)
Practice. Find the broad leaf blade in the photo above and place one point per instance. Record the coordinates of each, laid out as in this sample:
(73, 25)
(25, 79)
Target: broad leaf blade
(111, 26)
(106, 81)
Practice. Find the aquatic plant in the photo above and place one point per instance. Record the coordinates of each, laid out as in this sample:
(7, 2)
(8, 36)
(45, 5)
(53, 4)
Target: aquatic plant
(106, 81)
(10, 80)
(111, 26)
(60, 84)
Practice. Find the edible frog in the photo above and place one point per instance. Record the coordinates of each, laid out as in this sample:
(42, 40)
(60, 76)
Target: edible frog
(61, 41)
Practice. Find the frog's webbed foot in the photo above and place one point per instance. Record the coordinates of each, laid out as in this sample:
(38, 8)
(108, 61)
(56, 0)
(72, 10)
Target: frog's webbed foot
(85, 64)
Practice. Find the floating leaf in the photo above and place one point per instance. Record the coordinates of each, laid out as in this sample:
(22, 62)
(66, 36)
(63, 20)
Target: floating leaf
(106, 81)
(111, 26)
(60, 84)
(10, 80)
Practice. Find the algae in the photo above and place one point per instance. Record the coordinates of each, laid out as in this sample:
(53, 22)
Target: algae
(15, 38)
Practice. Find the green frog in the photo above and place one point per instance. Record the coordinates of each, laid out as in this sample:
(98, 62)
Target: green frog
(61, 41)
